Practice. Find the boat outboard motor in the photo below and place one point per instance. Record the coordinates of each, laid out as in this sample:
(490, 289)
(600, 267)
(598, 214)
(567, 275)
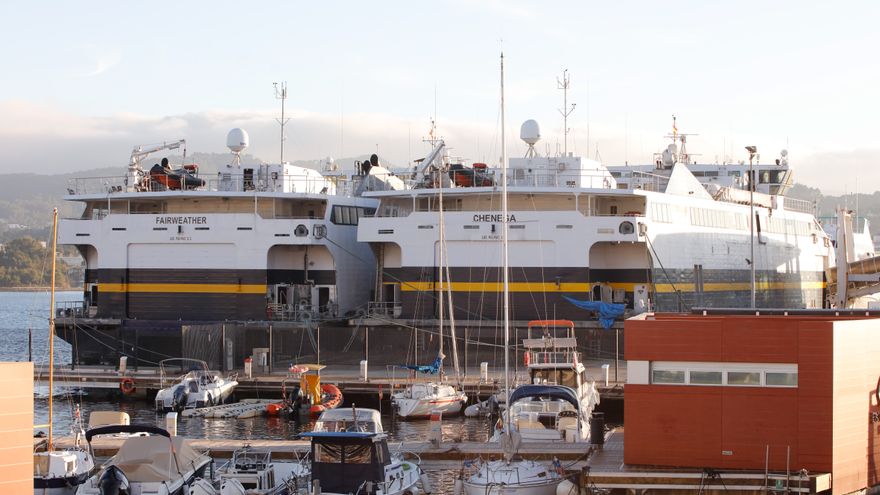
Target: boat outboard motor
(113, 482)
(178, 400)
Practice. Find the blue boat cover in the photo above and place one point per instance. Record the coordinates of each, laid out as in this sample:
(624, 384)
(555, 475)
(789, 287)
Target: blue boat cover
(432, 368)
(553, 391)
(608, 312)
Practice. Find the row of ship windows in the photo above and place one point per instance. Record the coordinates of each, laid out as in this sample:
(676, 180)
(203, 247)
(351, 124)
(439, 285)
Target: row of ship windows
(707, 217)
(349, 215)
(735, 378)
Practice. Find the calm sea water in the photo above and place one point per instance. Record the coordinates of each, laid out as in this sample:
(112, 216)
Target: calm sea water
(23, 311)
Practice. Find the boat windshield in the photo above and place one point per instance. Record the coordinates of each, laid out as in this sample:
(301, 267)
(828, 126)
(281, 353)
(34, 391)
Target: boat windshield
(339, 454)
(550, 376)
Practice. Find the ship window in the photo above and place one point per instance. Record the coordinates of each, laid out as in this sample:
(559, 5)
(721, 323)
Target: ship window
(667, 376)
(705, 378)
(744, 378)
(346, 215)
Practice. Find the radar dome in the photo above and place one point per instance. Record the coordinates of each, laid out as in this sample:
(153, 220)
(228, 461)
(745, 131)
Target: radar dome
(237, 140)
(530, 132)
(784, 153)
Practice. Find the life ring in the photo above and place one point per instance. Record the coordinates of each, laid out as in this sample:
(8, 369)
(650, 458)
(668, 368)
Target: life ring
(331, 398)
(126, 386)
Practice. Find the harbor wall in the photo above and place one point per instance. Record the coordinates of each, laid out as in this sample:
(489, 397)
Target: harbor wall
(828, 422)
(17, 427)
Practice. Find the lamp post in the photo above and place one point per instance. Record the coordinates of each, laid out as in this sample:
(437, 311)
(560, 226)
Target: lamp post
(752, 152)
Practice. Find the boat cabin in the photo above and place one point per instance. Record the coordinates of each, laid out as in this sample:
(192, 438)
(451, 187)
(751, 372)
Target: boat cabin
(351, 462)
(252, 468)
(553, 358)
(354, 419)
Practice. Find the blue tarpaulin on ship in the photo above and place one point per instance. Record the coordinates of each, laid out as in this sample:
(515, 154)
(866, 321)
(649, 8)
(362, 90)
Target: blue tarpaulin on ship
(608, 312)
(432, 368)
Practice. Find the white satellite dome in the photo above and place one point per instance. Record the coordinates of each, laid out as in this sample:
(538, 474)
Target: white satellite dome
(530, 132)
(237, 140)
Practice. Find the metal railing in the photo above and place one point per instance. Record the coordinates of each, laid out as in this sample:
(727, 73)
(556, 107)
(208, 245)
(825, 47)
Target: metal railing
(384, 309)
(799, 205)
(70, 309)
(221, 182)
(301, 312)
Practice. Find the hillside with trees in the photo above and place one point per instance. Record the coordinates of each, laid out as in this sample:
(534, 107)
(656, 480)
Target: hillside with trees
(25, 263)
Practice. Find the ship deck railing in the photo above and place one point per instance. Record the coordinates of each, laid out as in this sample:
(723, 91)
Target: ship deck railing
(300, 312)
(221, 182)
(70, 309)
(384, 309)
(554, 357)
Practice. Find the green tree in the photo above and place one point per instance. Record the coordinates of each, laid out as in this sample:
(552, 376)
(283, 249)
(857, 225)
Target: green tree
(24, 262)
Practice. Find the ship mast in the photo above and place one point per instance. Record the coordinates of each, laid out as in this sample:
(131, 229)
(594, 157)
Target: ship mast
(281, 94)
(563, 84)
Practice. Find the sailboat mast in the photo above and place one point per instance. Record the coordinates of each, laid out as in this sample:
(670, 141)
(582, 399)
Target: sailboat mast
(440, 261)
(52, 323)
(504, 260)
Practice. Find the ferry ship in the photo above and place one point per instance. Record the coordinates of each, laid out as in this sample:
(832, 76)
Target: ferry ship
(666, 236)
(165, 248)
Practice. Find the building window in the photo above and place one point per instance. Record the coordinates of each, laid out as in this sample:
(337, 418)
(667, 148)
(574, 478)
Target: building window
(747, 378)
(705, 378)
(668, 376)
(724, 374)
(777, 379)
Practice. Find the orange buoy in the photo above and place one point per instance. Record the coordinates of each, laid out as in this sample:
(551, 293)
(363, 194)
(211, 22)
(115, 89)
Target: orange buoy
(274, 409)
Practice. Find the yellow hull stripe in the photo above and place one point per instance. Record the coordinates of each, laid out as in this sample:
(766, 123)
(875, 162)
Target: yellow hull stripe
(585, 287)
(185, 288)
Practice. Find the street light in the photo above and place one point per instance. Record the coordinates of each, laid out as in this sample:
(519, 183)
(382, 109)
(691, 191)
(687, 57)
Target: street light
(753, 151)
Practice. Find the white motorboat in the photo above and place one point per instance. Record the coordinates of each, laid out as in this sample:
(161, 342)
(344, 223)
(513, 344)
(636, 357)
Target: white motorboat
(59, 472)
(157, 464)
(360, 462)
(559, 400)
(199, 387)
(254, 471)
(420, 400)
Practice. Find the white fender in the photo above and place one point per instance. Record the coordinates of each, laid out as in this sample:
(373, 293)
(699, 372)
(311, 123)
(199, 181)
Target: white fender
(426, 483)
(567, 488)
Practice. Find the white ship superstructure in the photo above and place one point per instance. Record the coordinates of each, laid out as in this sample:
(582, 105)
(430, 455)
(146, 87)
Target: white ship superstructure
(577, 231)
(251, 243)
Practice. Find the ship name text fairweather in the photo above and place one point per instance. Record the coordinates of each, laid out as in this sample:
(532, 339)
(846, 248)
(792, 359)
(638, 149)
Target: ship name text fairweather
(181, 220)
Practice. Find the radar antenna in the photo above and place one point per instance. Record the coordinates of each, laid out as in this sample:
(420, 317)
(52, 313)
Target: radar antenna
(281, 94)
(563, 84)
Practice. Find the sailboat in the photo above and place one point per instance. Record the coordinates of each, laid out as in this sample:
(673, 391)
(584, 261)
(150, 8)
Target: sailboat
(424, 399)
(509, 475)
(58, 472)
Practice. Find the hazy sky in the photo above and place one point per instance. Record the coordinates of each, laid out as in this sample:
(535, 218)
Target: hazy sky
(83, 82)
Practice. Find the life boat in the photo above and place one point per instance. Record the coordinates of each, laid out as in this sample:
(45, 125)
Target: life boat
(331, 398)
(182, 178)
(477, 176)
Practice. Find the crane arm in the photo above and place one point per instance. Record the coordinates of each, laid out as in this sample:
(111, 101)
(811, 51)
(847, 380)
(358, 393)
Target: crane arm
(141, 152)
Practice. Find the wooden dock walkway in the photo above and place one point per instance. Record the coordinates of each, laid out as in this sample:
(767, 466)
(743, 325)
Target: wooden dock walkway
(605, 470)
(347, 378)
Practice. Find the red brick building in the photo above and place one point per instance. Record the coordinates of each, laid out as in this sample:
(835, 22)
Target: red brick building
(719, 391)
